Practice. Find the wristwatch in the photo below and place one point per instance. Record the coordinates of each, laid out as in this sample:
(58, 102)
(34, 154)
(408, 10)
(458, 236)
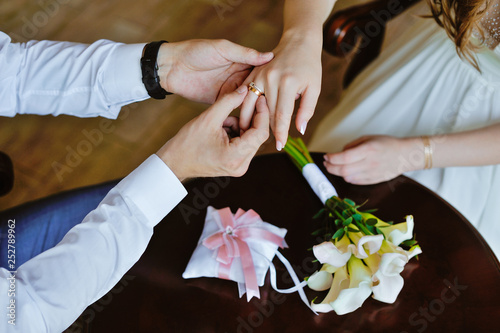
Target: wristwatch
(149, 67)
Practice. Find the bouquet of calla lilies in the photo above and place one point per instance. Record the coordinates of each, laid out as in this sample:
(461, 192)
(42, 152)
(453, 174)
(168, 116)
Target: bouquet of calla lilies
(361, 254)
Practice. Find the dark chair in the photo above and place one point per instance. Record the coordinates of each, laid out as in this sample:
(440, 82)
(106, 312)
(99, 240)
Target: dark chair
(360, 29)
(6, 174)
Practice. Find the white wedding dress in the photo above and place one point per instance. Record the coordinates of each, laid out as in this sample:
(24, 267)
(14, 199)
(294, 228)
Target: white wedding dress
(420, 86)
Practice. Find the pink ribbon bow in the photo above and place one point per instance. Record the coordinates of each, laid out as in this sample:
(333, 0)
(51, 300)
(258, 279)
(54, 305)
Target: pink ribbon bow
(231, 243)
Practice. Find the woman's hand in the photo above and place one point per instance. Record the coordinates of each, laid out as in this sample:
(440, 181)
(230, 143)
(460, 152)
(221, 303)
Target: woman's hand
(294, 72)
(374, 159)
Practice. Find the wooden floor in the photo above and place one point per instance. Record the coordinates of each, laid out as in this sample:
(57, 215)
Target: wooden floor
(37, 144)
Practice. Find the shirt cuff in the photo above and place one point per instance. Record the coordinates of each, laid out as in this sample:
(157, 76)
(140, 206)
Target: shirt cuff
(153, 188)
(123, 75)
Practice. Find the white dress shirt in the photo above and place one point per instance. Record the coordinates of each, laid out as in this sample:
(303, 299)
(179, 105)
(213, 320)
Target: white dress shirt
(55, 287)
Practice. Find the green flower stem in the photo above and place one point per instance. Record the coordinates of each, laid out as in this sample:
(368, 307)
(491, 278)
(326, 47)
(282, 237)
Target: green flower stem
(297, 150)
(296, 155)
(296, 164)
(339, 215)
(304, 149)
(362, 228)
(295, 158)
(300, 148)
(295, 145)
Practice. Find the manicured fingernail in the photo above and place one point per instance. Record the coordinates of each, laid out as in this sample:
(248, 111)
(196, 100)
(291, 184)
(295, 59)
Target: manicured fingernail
(325, 157)
(303, 127)
(279, 145)
(241, 89)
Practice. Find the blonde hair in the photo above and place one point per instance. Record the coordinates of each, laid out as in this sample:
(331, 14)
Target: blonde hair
(460, 18)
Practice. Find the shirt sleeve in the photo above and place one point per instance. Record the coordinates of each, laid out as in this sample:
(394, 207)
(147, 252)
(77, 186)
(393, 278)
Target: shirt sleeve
(47, 77)
(54, 288)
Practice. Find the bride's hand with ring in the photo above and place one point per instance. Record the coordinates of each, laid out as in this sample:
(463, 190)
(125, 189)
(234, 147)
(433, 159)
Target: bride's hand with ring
(294, 72)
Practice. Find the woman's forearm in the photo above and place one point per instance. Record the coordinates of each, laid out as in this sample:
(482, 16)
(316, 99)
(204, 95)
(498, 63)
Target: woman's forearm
(372, 159)
(469, 148)
(303, 16)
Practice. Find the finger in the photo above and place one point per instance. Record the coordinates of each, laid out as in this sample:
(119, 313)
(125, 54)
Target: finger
(350, 172)
(219, 112)
(248, 107)
(247, 110)
(261, 120)
(306, 108)
(349, 156)
(271, 90)
(259, 133)
(244, 55)
(283, 117)
(359, 173)
(335, 169)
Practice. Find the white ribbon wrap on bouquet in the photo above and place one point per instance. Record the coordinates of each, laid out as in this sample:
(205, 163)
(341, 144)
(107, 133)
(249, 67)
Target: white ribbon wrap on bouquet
(318, 182)
(240, 248)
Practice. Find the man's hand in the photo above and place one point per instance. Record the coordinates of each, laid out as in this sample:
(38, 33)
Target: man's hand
(203, 70)
(204, 147)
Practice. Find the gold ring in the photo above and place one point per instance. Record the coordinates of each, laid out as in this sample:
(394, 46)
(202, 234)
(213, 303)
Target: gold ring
(253, 88)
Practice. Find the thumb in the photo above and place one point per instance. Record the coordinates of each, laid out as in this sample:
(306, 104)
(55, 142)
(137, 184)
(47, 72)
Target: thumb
(245, 55)
(223, 107)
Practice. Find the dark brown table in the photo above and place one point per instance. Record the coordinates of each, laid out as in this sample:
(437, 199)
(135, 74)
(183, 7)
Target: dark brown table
(453, 287)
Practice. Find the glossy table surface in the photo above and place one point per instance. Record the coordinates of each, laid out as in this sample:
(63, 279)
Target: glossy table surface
(453, 287)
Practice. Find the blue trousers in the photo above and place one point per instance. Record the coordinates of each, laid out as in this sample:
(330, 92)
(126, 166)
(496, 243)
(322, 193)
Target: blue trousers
(40, 225)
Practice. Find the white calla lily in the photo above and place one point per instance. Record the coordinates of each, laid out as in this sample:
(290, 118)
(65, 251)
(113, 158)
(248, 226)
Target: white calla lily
(373, 262)
(320, 280)
(387, 288)
(392, 263)
(388, 247)
(359, 290)
(387, 281)
(348, 292)
(329, 268)
(386, 266)
(336, 254)
(415, 250)
(372, 243)
(340, 282)
(398, 233)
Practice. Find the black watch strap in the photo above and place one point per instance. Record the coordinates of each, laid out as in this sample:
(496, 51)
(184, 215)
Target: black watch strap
(149, 67)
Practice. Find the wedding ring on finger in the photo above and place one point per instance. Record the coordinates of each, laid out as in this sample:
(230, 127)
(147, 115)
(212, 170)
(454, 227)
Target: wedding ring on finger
(256, 90)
